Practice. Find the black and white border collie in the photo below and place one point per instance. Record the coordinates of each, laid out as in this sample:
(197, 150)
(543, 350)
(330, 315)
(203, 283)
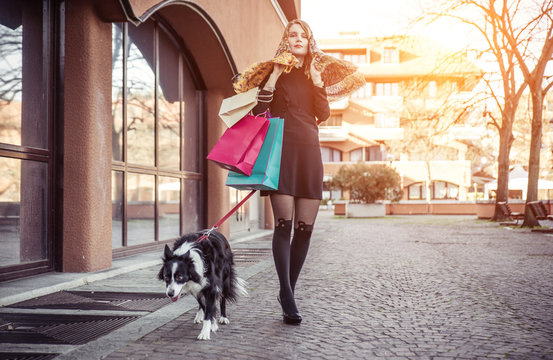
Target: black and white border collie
(206, 270)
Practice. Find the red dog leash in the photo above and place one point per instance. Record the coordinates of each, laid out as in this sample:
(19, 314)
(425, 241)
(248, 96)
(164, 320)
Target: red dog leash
(216, 226)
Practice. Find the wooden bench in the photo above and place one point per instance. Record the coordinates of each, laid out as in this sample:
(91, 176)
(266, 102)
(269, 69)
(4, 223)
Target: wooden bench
(506, 210)
(540, 212)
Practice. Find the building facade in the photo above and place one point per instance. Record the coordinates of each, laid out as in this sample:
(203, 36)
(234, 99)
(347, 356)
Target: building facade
(411, 115)
(107, 110)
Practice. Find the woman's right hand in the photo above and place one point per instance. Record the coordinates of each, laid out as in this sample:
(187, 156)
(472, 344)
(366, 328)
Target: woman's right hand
(278, 69)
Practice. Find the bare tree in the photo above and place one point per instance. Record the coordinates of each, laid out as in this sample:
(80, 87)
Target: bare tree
(508, 28)
(531, 42)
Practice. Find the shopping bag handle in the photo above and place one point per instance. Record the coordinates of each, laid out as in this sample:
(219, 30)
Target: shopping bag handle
(266, 114)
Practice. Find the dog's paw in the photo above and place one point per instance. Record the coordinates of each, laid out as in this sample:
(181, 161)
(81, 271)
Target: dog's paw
(203, 336)
(199, 317)
(206, 330)
(214, 326)
(223, 320)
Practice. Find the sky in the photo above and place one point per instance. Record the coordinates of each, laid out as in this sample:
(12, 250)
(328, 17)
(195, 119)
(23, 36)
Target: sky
(380, 18)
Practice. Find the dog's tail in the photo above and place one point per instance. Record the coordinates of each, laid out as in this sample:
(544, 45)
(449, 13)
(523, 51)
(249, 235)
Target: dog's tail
(240, 287)
(234, 287)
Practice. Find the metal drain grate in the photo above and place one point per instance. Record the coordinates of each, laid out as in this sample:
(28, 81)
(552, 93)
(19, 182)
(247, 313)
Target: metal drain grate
(250, 255)
(27, 328)
(97, 300)
(26, 356)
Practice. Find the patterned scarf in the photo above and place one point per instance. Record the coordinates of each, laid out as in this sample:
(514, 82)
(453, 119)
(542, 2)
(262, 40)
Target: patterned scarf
(341, 78)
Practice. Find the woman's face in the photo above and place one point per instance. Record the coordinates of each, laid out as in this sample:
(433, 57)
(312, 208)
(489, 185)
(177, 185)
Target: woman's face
(297, 39)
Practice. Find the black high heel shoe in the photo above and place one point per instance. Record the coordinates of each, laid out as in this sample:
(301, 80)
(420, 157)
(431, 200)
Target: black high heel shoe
(289, 319)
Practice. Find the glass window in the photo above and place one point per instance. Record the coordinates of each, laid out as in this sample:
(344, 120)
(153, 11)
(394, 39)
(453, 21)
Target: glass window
(169, 208)
(140, 209)
(445, 190)
(23, 118)
(417, 191)
(24, 130)
(452, 191)
(191, 151)
(156, 192)
(333, 120)
(117, 91)
(356, 155)
(169, 104)
(387, 89)
(23, 212)
(356, 58)
(140, 95)
(330, 155)
(390, 55)
(440, 190)
(191, 206)
(117, 191)
(376, 153)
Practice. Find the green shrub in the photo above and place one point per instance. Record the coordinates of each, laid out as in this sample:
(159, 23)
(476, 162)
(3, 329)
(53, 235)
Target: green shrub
(368, 183)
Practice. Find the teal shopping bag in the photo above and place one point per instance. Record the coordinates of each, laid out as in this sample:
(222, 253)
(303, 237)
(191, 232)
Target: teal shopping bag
(266, 169)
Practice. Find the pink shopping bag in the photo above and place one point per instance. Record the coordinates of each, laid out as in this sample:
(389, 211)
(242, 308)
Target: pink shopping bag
(239, 146)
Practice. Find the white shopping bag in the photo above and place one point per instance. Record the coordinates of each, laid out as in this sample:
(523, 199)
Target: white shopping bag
(236, 107)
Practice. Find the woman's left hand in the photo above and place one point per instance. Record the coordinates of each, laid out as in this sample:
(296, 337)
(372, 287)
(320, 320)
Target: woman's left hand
(315, 71)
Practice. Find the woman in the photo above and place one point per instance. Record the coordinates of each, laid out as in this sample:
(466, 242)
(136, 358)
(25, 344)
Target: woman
(293, 87)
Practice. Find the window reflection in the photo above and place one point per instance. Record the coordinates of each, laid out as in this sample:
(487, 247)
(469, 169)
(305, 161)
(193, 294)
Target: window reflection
(191, 215)
(169, 212)
(169, 104)
(191, 127)
(22, 108)
(117, 209)
(22, 211)
(159, 108)
(140, 95)
(140, 209)
(117, 91)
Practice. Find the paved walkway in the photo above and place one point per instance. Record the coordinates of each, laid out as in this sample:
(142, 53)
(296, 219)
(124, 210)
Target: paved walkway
(405, 287)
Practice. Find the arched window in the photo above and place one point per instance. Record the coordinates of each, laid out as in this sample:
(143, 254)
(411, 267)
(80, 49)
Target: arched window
(416, 191)
(357, 155)
(156, 170)
(370, 153)
(440, 190)
(330, 155)
(445, 190)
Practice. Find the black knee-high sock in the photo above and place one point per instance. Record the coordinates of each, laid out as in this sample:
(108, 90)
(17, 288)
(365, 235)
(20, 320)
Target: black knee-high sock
(298, 251)
(281, 255)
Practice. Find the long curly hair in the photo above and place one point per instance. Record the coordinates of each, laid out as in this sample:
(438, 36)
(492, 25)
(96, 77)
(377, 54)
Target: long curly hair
(311, 47)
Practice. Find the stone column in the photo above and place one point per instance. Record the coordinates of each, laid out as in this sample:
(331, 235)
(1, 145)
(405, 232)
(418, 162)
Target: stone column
(87, 140)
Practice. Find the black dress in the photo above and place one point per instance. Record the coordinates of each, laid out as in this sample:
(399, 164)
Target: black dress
(302, 106)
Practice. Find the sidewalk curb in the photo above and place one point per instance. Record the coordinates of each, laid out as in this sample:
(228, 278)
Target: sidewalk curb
(84, 280)
(127, 265)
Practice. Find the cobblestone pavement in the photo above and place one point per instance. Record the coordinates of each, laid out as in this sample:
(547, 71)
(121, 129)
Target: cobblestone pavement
(417, 287)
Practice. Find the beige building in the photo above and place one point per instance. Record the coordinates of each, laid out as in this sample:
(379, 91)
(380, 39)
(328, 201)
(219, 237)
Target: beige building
(411, 114)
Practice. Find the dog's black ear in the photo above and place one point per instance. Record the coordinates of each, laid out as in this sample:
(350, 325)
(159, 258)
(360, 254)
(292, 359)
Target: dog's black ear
(160, 273)
(194, 276)
(167, 253)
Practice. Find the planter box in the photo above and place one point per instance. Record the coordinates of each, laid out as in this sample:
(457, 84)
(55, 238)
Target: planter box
(340, 208)
(485, 210)
(365, 210)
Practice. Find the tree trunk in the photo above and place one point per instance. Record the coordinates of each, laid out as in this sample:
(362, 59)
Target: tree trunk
(505, 142)
(534, 160)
